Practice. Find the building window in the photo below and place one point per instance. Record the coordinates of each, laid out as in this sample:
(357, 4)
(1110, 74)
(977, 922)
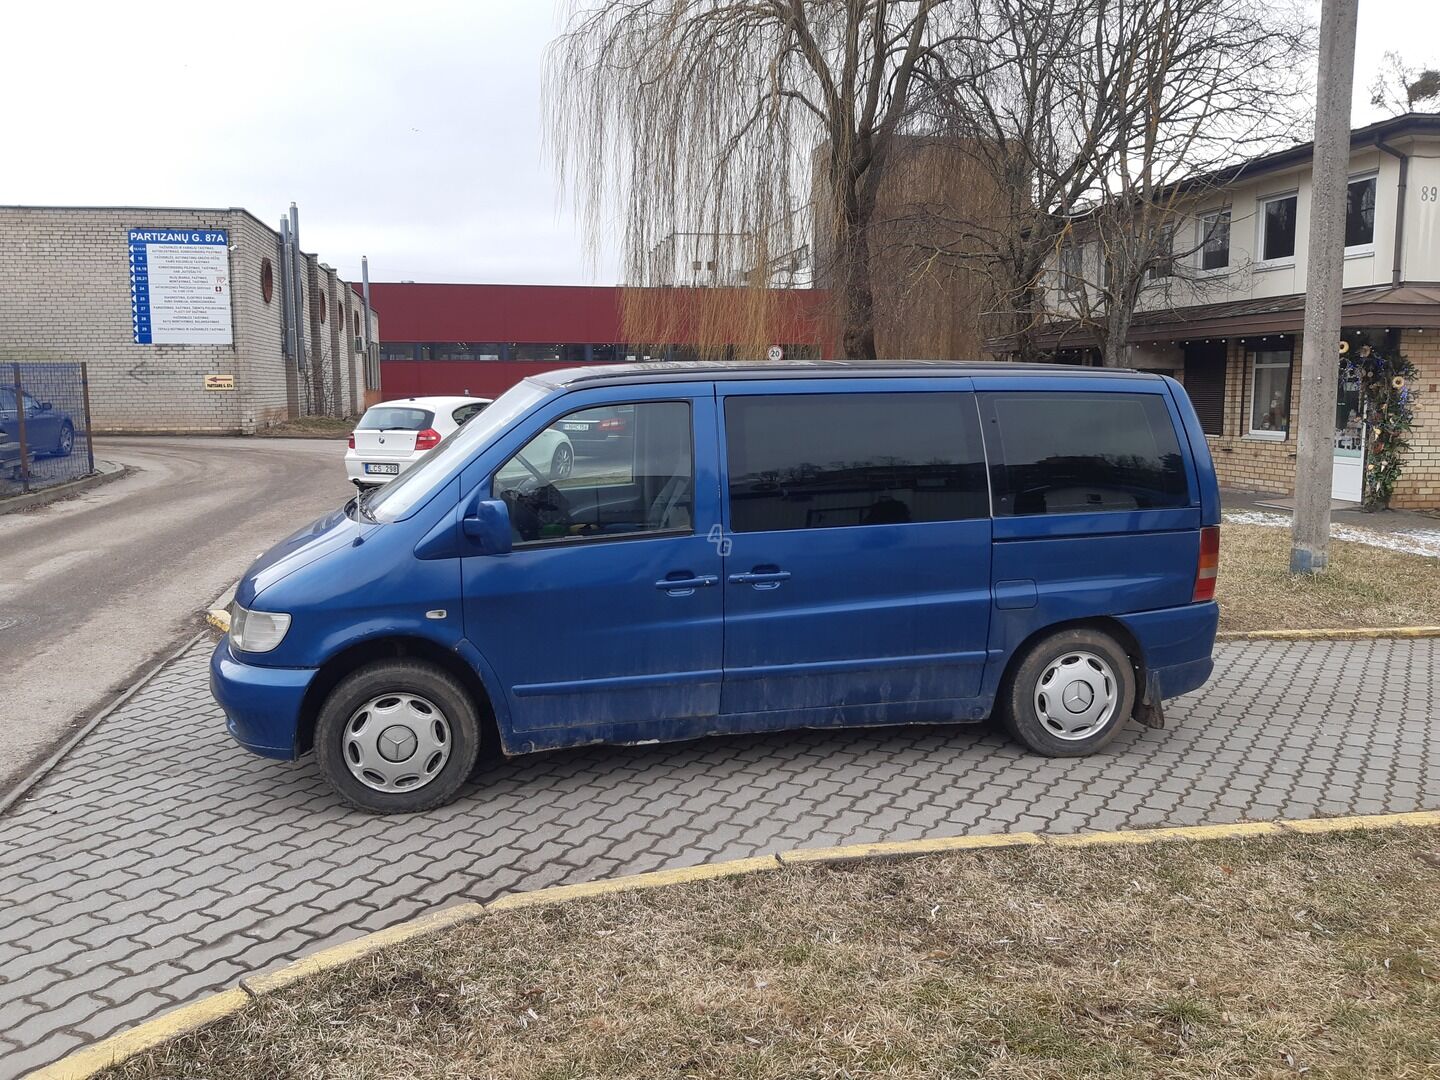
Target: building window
(393, 350)
(1072, 267)
(1205, 384)
(267, 280)
(1277, 228)
(1360, 213)
(463, 350)
(1163, 264)
(1215, 240)
(1270, 393)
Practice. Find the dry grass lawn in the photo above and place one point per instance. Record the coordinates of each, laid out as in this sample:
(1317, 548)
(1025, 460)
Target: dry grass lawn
(310, 427)
(1364, 586)
(1314, 956)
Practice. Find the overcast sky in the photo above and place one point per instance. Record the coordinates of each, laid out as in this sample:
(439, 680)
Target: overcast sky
(408, 132)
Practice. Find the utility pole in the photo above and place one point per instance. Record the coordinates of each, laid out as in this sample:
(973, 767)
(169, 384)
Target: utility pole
(1324, 286)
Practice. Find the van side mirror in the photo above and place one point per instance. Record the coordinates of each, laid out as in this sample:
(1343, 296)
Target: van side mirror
(487, 527)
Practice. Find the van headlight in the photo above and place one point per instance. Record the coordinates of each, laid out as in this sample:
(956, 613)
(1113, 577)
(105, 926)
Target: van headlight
(256, 631)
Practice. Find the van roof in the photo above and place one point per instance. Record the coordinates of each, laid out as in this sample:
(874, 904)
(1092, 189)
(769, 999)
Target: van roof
(678, 370)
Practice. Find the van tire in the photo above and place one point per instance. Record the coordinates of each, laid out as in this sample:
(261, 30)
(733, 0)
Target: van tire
(1098, 669)
(411, 681)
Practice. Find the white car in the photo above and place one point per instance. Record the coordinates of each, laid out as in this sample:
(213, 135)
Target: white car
(394, 435)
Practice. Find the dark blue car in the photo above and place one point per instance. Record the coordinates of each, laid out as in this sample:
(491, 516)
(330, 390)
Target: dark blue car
(782, 546)
(48, 430)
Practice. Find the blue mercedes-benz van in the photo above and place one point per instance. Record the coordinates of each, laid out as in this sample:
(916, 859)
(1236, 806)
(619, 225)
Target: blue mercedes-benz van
(768, 546)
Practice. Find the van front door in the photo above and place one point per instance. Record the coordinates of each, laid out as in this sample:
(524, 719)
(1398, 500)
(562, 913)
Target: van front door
(604, 621)
(858, 566)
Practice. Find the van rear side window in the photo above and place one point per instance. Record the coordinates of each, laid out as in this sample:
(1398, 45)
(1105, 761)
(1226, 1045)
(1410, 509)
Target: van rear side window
(1082, 452)
(825, 461)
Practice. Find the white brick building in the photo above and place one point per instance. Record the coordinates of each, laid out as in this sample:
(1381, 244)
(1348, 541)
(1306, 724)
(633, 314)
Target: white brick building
(65, 295)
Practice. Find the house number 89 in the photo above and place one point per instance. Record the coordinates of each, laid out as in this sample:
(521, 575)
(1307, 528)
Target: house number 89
(1430, 194)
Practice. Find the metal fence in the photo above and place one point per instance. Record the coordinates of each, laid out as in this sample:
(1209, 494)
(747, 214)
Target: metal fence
(44, 426)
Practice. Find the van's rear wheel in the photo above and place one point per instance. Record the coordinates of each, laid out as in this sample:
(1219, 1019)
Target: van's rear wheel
(397, 736)
(1069, 694)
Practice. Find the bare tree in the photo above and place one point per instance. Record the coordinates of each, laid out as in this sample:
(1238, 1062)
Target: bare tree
(1103, 118)
(705, 115)
(1399, 87)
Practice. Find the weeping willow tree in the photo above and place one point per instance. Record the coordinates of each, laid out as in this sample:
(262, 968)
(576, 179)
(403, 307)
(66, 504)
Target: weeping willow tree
(725, 117)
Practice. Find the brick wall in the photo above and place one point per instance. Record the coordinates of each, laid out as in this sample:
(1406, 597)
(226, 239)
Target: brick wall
(1247, 463)
(65, 296)
(1419, 486)
(1243, 461)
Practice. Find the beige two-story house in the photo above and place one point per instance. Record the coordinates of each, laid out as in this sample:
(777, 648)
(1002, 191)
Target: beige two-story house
(1226, 319)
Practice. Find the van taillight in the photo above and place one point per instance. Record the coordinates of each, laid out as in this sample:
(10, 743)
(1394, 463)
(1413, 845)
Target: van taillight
(427, 439)
(352, 440)
(615, 424)
(1208, 566)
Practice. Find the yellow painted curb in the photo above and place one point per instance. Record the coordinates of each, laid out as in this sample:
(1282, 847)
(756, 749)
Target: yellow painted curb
(654, 880)
(85, 1063)
(1135, 837)
(333, 957)
(219, 618)
(907, 848)
(1416, 819)
(1360, 633)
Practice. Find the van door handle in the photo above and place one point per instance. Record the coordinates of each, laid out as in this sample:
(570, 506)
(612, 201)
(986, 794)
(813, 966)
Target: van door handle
(761, 579)
(684, 586)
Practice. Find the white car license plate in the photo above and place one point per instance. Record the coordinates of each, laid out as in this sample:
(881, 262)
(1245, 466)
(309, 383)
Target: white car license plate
(373, 469)
(574, 427)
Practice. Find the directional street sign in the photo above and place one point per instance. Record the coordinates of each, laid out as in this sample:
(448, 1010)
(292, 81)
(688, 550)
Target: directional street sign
(180, 286)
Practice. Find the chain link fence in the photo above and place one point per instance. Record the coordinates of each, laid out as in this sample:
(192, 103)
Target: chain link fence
(44, 426)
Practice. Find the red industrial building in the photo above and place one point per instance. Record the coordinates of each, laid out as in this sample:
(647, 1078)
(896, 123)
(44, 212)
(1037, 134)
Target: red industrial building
(482, 339)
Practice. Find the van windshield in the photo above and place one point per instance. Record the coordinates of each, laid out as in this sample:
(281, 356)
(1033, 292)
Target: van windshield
(399, 498)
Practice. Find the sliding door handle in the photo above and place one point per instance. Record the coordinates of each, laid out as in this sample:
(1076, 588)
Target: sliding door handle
(684, 586)
(761, 579)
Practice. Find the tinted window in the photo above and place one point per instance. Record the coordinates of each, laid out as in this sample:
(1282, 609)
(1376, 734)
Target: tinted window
(555, 495)
(465, 412)
(1360, 213)
(395, 418)
(1215, 250)
(817, 461)
(1279, 228)
(1074, 453)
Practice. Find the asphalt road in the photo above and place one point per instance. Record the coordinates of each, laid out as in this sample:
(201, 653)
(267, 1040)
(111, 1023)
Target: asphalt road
(94, 589)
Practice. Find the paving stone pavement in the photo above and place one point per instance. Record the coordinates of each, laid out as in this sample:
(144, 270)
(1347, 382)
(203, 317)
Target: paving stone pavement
(159, 861)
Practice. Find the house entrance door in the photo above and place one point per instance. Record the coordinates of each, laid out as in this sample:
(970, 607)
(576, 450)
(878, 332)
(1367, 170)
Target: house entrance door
(1348, 474)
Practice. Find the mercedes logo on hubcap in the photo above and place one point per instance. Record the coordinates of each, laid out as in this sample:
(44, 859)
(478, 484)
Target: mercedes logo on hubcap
(1077, 697)
(396, 743)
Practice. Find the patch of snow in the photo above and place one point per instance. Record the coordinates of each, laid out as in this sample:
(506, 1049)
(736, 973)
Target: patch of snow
(1411, 541)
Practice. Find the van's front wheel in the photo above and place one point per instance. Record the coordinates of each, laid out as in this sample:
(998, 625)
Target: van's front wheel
(397, 736)
(1070, 694)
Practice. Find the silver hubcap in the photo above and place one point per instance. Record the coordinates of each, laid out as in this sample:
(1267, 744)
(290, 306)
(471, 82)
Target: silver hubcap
(1076, 695)
(396, 742)
(561, 467)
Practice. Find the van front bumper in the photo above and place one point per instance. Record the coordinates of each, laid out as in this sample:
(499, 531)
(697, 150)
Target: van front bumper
(262, 704)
